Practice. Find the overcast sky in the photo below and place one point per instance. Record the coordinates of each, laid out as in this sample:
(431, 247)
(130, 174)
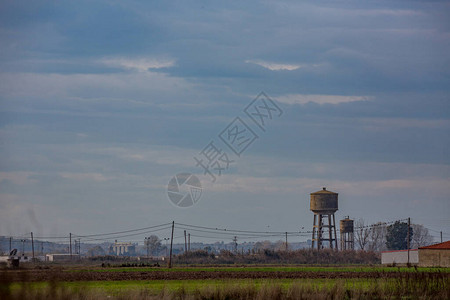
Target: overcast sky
(102, 102)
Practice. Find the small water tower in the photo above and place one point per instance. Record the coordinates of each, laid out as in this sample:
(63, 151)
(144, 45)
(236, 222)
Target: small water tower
(347, 235)
(324, 204)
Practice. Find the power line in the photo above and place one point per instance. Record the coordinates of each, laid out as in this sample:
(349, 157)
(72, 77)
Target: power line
(126, 231)
(26, 235)
(248, 234)
(227, 233)
(50, 237)
(241, 237)
(234, 231)
(243, 232)
(121, 236)
(438, 231)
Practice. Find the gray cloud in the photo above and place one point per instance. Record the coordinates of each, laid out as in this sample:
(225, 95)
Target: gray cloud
(102, 102)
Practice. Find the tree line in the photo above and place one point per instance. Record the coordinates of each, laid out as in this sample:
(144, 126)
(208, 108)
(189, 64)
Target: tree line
(381, 237)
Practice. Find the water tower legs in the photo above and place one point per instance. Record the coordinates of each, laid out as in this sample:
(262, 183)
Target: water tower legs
(314, 232)
(347, 236)
(335, 236)
(319, 236)
(347, 241)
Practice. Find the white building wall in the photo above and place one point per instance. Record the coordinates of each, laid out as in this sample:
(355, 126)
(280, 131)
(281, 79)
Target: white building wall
(400, 257)
(123, 248)
(58, 257)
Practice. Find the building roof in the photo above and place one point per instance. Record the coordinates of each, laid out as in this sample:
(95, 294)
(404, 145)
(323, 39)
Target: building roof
(444, 245)
(323, 191)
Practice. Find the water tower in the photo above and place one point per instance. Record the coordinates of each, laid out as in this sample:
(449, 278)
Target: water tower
(324, 204)
(347, 237)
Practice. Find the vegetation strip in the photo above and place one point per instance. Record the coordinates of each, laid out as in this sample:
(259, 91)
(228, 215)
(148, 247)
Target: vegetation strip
(60, 275)
(262, 269)
(411, 286)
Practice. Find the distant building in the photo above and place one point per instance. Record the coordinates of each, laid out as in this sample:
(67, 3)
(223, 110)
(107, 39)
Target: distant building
(400, 257)
(437, 255)
(59, 257)
(123, 249)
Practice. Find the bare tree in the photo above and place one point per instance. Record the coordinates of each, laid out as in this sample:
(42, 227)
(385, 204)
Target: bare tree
(96, 251)
(153, 245)
(362, 233)
(263, 245)
(377, 237)
(279, 245)
(421, 236)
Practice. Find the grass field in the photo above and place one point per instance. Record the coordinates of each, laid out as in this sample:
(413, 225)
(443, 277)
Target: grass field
(157, 286)
(317, 282)
(264, 269)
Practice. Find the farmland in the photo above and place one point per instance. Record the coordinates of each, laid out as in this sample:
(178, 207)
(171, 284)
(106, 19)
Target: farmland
(225, 282)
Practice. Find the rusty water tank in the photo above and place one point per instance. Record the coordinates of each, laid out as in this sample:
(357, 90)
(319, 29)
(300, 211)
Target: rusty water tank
(346, 225)
(324, 202)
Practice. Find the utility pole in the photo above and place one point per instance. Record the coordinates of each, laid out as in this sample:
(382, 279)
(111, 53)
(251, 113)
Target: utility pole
(441, 239)
(189, 242)
(23, 246)
(286, 243)
(70, 245)
(79, 248)
(32, 245)
(171, 245)
(185, 242)
(235, 244)
(409, 224)
(10, 243)
(146, 244)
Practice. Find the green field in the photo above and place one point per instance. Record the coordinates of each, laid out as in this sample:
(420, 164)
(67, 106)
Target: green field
(264, 269)
(354, 282)
(156, 286)
(234, 289)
